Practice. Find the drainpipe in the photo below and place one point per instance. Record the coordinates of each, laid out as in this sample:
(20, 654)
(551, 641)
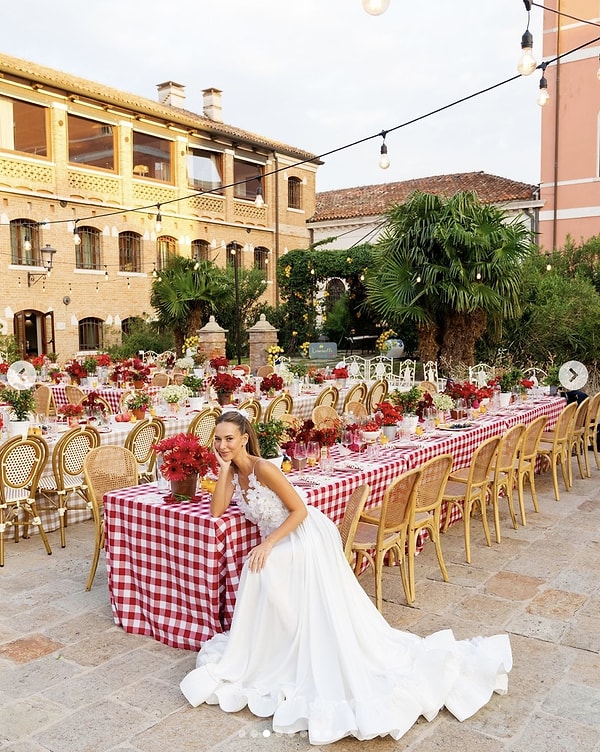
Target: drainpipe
(556, 134)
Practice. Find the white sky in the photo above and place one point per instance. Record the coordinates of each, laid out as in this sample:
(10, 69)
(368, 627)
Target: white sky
(316, 74)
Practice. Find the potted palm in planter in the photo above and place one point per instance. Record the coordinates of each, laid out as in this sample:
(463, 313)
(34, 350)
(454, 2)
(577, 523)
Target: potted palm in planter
(22, 403)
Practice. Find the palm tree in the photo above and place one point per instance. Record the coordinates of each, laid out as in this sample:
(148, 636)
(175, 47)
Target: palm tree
(452, 266)
(186, 294)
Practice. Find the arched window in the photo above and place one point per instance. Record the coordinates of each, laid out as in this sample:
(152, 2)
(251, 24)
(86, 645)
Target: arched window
(200, 250)
(25, 243)
(88, 251)
(165, 248)
(335, 290)
(261, 258)
(128, 324)
(91, 334)
(294, 193)
(130, 252)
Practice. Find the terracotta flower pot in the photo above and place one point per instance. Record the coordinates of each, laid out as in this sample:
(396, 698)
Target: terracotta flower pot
(185, 487)
(224, 398)
(139, 413)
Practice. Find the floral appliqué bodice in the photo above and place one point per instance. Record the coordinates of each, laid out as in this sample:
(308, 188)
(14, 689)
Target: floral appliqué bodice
(260, 505)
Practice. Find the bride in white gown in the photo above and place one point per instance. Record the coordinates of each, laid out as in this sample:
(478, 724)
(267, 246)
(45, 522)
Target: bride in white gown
(307, 646)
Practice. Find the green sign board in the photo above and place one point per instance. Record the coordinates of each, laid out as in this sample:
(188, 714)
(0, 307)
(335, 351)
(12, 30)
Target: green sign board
(322, 350)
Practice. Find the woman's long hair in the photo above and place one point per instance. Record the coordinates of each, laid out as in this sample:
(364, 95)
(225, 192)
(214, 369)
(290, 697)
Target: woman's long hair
(244, 426)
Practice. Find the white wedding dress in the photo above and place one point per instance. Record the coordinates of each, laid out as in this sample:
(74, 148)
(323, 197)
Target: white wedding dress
(308, 647)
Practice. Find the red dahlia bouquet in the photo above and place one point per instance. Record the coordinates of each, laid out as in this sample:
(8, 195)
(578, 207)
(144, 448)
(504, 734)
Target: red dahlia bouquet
(184, 455)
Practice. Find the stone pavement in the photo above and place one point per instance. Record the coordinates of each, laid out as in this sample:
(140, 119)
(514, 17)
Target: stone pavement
(72, 681)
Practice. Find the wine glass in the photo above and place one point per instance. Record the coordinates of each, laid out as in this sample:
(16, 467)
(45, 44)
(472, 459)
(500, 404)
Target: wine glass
(299, 455)
(347, 438)
(313, 452)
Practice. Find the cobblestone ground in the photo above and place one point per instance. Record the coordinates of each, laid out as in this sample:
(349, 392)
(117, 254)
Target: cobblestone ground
(72, 681)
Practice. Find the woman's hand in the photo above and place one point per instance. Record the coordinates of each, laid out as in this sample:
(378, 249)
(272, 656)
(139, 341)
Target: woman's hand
(223, 465)
(258, 556)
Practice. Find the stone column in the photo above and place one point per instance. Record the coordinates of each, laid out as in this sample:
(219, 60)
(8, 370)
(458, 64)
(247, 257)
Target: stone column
(262, 335)
(212, 339)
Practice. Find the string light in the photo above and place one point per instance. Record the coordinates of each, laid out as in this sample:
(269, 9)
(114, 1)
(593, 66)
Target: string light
(384, 160)
(478, 275)
(548, 267)
(158, 224)
(375, 7)
(543, 97)
(154, 274)
(418, 278)
(527, 63)
(76, 236)
(27, 243)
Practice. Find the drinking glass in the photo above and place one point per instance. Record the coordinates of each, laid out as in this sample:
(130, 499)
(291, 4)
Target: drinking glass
(313, 453)
(347, 438)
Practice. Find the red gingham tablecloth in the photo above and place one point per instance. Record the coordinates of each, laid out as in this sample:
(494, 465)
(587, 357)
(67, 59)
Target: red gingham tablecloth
(173, 570)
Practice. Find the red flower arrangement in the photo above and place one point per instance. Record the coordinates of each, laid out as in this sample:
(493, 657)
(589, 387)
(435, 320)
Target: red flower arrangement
(340, 373)
(248, 388)
(4, 366)
(423, 404)
(307, 431)
(38, 361)
(273, 381)
(135, 369)
(219, 362)
(388, 414)
(93, 404)
(184, 455)
(75, 369)
(225, 382)
(527, 383)
(71, 411)
(103, 360)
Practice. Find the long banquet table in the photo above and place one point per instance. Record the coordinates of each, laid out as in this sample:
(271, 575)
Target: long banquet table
(173, 570)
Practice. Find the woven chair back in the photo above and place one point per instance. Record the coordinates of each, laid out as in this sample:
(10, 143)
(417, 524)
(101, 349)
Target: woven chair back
(434, 475)
(21, 464)
(279, 405)
(140, 439)
(69, 454)
(354, 508)
(203, 425)
(510, 445)
(328, 397)
(74, 394)
(43, 399)
(253, 408)
(356, 393)
(324, 416)
(376, 394)
(531, 439)
(160, 379)
(357, 409)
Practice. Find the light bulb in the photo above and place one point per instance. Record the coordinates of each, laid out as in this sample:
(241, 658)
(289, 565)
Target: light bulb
(259, 201)
(76, 238)
(543, 97)
(527, 63)
(158, 225)
(27, 244)
(375, 7)
(478, 275)
(384, 160)
(418, 279)
(548, 267)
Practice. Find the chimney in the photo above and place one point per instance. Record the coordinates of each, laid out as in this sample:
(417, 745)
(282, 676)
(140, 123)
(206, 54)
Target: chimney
(171, 94)
(212, 104)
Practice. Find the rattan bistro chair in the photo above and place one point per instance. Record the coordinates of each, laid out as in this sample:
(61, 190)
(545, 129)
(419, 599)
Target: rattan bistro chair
(106, 468)
(525, 464)
(555, 444)
(357, 409)
(43, 400)
(74, 394)
(376, 394)
(324, 416)
(253, 407)
(328, 397)
(203, 425)
(468, 488)
(592, 430)
(389, 536)
(356, 393)
(282, 403)
(21, 464)
(140, 441)
(352, 512)
(504, 474)
(67, 473)
(578, 445)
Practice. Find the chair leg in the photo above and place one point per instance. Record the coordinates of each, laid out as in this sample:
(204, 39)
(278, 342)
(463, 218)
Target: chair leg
(36, 521)
(565, 467)
(521, 496)
(410, 590)
(496, 510)
(483, 507)
(467, 530)
(554, 465)
(434, 534)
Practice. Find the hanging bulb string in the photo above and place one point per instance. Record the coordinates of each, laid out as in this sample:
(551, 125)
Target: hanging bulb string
(338, 149)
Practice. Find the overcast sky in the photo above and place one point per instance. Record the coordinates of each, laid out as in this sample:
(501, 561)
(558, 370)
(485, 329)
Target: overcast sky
(316, 74)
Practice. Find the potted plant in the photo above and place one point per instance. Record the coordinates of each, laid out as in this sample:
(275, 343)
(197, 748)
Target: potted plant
(269, 438)
(271, 384)
(182, 459)
(90, 364)
(71, 412)
(340, 374)
(75, 370)
(224, 385)
(174, 395)
(22, 403)
(552, 379)
(196, 387)
(388, 415)
(219, 362)
(136, 371)
(137, 403)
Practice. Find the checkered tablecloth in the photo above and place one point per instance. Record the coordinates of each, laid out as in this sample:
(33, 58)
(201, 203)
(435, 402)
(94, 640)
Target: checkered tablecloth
(173, 570)
(116, 435)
